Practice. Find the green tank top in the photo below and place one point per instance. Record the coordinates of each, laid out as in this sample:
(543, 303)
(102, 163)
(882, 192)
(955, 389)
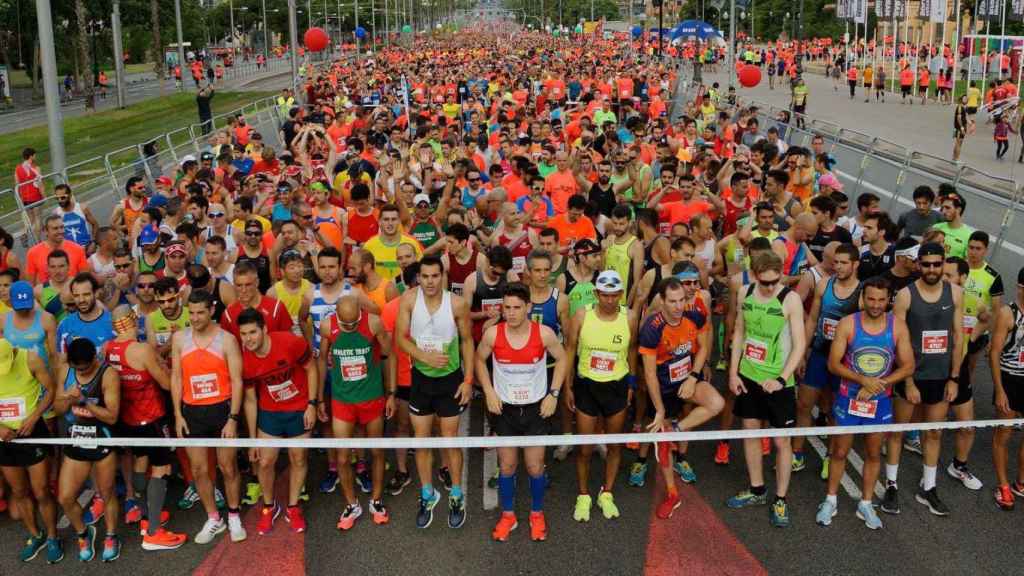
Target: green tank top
(616, 179)
(355, 370)
(978, 290)
(767, 340)
(603, 347)
(19, 393)
(755, 233)
(559, 271)
(162, 326)
(52, 303)
(425, 232)
(581, 295)
(436, 332)
(617, 258)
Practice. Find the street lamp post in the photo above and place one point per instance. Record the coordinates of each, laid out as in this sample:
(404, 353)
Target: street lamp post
(48, 58)
(115, 25)
(266, 34)
(94, 27)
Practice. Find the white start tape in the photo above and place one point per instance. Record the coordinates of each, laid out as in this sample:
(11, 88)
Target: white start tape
(518, 441)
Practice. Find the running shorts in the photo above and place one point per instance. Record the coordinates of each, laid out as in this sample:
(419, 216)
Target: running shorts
(521, 420)
(359, 413)
(600, 398)
(206, 421)
(25, 455)
(431, 395)
(778, 408)
(160, 429)
(289, 424)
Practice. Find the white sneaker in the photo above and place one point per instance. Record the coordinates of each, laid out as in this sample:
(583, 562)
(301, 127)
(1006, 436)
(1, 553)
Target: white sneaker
(964, 475)
(210, 530)
(235, 528)
(562, 452)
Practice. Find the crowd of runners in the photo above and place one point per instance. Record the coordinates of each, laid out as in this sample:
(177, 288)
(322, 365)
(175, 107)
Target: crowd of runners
(519, 221)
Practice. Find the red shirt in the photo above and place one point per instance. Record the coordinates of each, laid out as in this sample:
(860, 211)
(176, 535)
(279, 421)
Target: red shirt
(142, 400)
(280, 376)
(274, 313)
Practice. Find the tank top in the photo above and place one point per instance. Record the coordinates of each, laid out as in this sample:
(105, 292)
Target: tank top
(155, 267)
(486, 297)
(580, 294)
(142, 400)
(603, 347)
(832, 310)
(558, 271)
(426, 231)
(520, 248)
(218, 304)
(32, 338)
(362, 228)
(796, 256)
(930, 324)
(546, 313)
(52, 304)
(293, 301)
(355, 363)
(92, 393)
(868, 354)
(320, 308)
(458, 272)
(520, 375)
(130, 214)
(617, 258)
(19, 393)
(76, 227)
(163, 328)
(649, 263)
(767, 340)
(435, 333)
(378, 295)
(205, 379)
(1011, 357)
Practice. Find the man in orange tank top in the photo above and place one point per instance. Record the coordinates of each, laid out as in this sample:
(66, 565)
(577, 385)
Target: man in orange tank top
(206, 390)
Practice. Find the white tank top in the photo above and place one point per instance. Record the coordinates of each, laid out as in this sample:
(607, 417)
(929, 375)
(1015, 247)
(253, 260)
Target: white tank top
(433, 332)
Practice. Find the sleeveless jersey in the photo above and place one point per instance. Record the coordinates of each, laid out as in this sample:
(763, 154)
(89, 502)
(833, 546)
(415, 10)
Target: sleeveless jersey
(767, 340)
(581, 294)
(426, 231)
(163, 328)
(19, 393)
(76, 227)
(50, 300)
(320, 308)
(362, 228)
(930, 324)
(520, 247)
(293, 301)
(32, 338)
(979, 288)
(603, 347)
(1011, 357)
(205, 378)
(81, 427)
(142, 400)
(458, 272)
(520, 375)
(355, 363)
(485, 297)
(617, 258)
(435, 332)
(131, 214)
(867, 354)
(546, 312)
(832, 310)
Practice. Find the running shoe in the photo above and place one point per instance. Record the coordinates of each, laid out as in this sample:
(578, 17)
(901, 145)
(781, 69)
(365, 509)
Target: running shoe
(634, 445)
(445, 477)
(425, 515)
(456, 511)
(189, 499)
(668, 506)
(866, 512)
(253, 493)
(111, 548)
(33, 546)
(891, 500)
(506, 524)
(266, 520)
(211, 528)
(87, 544)
(398, 483)
(54, 550)
(94, 513)
(220, 502)
(294, 517)
(492, 482)
(582, 511)
(235, 528)
(685, 471)
(349, 516)
(638, 474)
(132, 511)
(563, 451)
(163, 540)
(379, 512)
(747, 498)
(721, 365)
(930, 498)
(538, 527)
(963, 474)
(330, 482)
(722, 454)
(1004, 498)
(824, 469)
(165, 516)
(779, 515)
(606, 502)
(766, 446)
(913, 443)
(363, 479)
(826, 512)
(799, 462)
(1017, 488)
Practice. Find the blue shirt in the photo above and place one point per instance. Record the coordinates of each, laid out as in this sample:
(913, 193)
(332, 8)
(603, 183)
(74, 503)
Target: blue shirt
(99, 331)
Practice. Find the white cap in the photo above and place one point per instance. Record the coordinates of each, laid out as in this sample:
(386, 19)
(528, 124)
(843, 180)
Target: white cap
(187, 158)
(421, 197)
(608, 282)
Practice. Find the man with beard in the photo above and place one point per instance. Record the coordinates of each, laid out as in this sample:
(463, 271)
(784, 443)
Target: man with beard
(170, 318)
(79, 223)
(36, 259)
(249, 296)
(134, 203)
(152, 257)
(253, 252)
(89, 320)
(48, 293)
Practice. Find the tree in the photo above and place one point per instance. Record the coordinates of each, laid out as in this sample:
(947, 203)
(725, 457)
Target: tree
(158, 47)
(88, 82)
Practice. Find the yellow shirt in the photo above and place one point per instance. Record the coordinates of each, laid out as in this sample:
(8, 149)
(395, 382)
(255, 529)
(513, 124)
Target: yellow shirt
(240, 224)
(386, 255)
(973, 96)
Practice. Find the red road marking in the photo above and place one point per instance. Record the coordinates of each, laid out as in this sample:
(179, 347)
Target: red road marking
(282, 552)
(694, 540)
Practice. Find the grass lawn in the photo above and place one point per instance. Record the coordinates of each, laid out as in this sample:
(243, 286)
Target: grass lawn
(20, 79)
(92, 135)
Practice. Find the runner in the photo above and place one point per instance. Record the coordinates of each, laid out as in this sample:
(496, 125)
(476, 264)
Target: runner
(624, 252)
(249, 296)
(384, 244)
(89, 319)
(484, 289)
(325, 299)
(1006, 361)
(956, 233)
(768, 344)
(877, 254)
(870, 351)
(294, 292)
(523, 394)
(604, 336)
(171, 317)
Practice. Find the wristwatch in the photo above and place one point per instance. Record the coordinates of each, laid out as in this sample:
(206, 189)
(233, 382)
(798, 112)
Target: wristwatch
(556, 392)
(235, 417)
(314, 402)
(781, 381)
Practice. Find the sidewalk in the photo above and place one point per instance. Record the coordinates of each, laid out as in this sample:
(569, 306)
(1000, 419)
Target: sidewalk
(927, 129)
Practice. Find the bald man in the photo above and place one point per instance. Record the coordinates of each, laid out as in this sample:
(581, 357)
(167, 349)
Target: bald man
(354, 347)
(791, 246)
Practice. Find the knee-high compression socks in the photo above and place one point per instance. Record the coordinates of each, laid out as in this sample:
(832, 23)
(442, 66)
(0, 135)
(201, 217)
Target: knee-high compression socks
(138, 485)
(156, 492)
(507, 493)
(538, 484)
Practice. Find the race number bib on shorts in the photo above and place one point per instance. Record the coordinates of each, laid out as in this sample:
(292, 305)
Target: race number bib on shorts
(863, 408)
(12, 409)
(755, 350)
(828, 328)
(283, 392)
(204, 386)
(603, 363)
(680, 369)
(353, 369)
(80, 432)
(934, 341)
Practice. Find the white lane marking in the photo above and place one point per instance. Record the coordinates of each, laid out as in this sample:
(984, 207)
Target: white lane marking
(847, 483)
(490, 464)
(854, 459)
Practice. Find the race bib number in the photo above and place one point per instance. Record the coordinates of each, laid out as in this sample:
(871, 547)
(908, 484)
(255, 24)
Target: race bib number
(296, 329)
(828, 328)
(491, 305)
(934, 341)
(353, 369)
(664, 228)
(203, 386)
(519, 391)
(755, 351)
(680, 369)
(12, 409)
(429, 344)
(970, 323)
(603, 363)
(282, 392)
(457, 288)
(80, 432)
(518, 264)
(162, 338)
(863, 408)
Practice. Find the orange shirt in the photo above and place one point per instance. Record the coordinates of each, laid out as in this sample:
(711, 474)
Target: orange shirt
(389, 318)
(35, 260)
(570, 232)
(205, 378)
(559, 186)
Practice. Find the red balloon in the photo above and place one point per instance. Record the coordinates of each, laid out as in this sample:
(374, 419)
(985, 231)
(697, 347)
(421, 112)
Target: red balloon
(750, 76)
(316, 39)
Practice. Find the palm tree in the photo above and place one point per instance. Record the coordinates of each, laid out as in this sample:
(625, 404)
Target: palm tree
(88, 82)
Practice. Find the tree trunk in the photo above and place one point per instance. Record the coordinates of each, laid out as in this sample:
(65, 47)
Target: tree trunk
(88, 81)
(37, 60)
(159, 66)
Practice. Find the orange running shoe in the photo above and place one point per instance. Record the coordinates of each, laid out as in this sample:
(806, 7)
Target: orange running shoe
(538, 527)
(163, 540)
(722, 454)
(668, 506)
(506, 524)
(165, 516)
(1004, 498)
(295, 518)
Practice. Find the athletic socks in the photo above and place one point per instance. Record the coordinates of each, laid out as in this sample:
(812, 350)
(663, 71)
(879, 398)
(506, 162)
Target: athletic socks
(831, 499)
(427, 491)
(758, 490)
(538, 484)
(156, 492)
(928, 479)
(507, 492)
(456, 491)
(891, 471)
(138, 483)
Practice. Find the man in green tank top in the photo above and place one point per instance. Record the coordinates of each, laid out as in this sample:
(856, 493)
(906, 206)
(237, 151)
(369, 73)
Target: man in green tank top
(624, 253)
(768, 345)
(48, 293)
(169, 318)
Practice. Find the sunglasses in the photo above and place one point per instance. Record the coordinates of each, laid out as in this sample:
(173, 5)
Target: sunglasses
(253, 233)
(930, 264)
(768, 283)
(145, 285)
(216, 214)
(122, 266)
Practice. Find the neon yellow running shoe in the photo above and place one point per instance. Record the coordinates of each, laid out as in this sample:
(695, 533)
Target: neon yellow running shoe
(607, 503)
(582, 511)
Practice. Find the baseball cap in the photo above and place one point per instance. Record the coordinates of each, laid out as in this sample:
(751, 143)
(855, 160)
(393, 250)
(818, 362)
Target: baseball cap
(608, 282)
(6, 356)
(831, 181)
(585, 246)
(930, 249)
(206, 156)
(21, 296)
(907, 247)
(164, 180)
(175, 248)
(420, 198)
(156, 201)
(187, 157)
(149, 235)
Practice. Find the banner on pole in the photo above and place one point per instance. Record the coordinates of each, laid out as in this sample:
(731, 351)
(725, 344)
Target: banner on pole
(899, 9)
(989, 10)
(939, 11)
(842, 9)
(1016, 10)
(924, 8)
(860, 11)
(882, 10)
